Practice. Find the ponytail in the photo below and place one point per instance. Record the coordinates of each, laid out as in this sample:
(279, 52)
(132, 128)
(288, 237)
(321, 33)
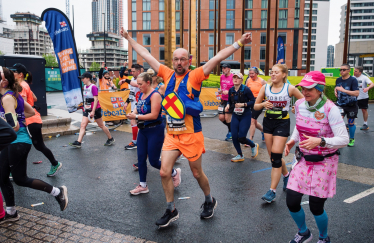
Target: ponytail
(28, 77)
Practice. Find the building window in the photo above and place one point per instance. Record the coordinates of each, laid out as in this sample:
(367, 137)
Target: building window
(133, 22)
(211, 19)
(211, 4)
(161, 19)
(262, 53)
(161, 5)
(283, 3)
(282, 19)
(177, 5)
(307, 5)
(146, 5)
(146, 21)
(264, 3)
(134, 56)
(177, 39)
(248, 19)
(146, 39)
(263, 19)
(229, 39)
(230, 19)
(230, 4)
(211, 39)
(263, 38)
(210, 52)
(247, 53)
(177, 20)
(162, 39)
(262, 65)
(162, 53)
(297, 4)
(284, 37)
(249, 4)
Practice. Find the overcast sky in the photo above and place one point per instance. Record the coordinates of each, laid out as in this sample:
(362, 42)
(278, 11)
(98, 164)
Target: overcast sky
(83, 20)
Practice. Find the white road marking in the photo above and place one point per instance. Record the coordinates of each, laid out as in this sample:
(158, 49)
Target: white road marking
(359, 196)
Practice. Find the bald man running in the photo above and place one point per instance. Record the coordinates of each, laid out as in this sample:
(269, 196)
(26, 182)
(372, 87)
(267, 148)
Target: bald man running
(184, 136)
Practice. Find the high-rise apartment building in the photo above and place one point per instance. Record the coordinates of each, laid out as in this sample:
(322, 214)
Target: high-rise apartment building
(146, 25)
(320, 28)
(361, 36)
(330, 56)
(29, 37)
(107, 17)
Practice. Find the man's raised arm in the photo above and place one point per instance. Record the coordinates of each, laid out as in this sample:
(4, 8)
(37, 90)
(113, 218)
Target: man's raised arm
(144, 53)
(225, 53)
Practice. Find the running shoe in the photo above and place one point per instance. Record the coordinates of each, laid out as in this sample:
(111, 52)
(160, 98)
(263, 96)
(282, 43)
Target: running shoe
(254, 151)
(263, 137)
(131, 145)
(109, 142)
(303, 238)
(228, 136)
(135, 166)
(62, 198)
(167, 218)
(9, 218)
(364, 127)
(285, 181)
(177, 178)
(238, 158)
(208, 209)
(139, 189)
(326, 240)
(269, 196)
(54, 170)
(76, 144)
(351, 142)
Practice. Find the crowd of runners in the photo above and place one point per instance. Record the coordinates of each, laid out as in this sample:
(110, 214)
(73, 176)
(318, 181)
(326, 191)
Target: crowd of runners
(169, 98)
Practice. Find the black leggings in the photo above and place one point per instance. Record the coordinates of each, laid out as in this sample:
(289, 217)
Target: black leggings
(14, 159)
(35, 130)
(293, 200)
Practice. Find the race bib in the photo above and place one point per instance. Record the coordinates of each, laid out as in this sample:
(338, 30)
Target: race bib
(87, 106)
(220, 108)
(173, 123)
(132, 96)
(341, 110)
(218, 96)
(239, 111)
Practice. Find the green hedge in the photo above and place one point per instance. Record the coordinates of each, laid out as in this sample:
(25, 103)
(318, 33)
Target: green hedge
(213, 81)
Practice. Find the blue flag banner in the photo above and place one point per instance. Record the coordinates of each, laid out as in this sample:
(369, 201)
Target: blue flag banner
(281, 56)
(60, 31)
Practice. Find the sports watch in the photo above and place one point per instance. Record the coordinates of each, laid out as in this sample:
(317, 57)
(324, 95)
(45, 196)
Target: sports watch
(323, 142)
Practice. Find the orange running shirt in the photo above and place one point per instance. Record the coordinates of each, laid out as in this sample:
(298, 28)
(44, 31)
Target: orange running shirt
(26, 94)
(195, 79)
(255, 86)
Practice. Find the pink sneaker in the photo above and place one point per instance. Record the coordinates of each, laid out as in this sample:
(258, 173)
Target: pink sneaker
(139, 189)
(177, 178)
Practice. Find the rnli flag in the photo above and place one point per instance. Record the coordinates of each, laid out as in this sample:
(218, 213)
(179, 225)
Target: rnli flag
(174, 106)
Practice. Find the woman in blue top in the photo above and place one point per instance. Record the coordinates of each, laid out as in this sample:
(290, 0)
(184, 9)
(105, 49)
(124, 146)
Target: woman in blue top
(151, 132)
(240, 104)
(13, 159)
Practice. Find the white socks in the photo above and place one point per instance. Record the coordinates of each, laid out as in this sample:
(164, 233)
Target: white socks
(143, 184)
(55, 191)
(174, 173)
(365, 122)
(11, 210)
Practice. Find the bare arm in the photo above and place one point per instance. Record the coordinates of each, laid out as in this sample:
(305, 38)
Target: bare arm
(144, 53)
(260, 97)
(29, 111)
(8, 105)
(295, 92)
(223, 54)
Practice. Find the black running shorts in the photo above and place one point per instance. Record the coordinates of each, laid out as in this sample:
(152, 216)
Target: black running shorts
(97, 113)
(363, 104)
(350, 111)
(277, 127)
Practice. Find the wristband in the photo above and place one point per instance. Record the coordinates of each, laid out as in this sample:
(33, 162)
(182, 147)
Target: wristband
(236, 45)
(240, 44)
(128, 81)
(137, 118)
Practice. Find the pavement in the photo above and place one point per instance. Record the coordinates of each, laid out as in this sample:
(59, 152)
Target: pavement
(101, 208)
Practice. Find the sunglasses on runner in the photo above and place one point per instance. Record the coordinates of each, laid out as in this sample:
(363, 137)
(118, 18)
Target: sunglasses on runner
(343, 70)
(107, 78)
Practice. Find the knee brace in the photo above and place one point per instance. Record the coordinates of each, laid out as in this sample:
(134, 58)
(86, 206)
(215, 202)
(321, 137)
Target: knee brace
(351, 122)
(242, 140)
(276, 160)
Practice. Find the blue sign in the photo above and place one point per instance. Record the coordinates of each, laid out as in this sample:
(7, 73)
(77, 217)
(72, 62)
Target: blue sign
(59, 29)
(281, 55)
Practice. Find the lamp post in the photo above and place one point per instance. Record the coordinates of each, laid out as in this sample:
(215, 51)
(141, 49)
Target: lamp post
(104, 40)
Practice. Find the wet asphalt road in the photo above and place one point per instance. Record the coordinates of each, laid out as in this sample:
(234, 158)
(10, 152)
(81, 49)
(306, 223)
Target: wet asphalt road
(99, 179)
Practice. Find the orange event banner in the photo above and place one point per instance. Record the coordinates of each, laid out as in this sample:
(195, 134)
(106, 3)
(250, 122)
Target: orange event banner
(112, 104)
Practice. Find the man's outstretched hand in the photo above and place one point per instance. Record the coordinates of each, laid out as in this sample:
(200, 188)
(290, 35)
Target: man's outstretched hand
(246, 38)
(124, 33)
